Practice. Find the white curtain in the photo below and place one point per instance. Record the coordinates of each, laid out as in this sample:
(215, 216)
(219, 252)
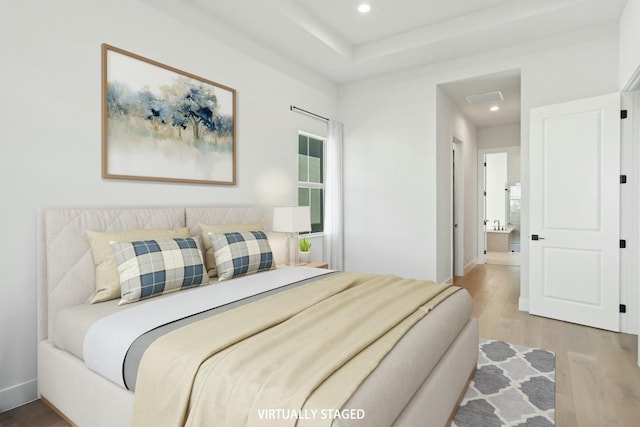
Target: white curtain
(333, 223)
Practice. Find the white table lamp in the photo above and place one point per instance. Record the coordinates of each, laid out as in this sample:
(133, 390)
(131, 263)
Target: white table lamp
(292, 220)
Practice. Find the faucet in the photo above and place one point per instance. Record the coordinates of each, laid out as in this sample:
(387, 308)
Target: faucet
(494, 224)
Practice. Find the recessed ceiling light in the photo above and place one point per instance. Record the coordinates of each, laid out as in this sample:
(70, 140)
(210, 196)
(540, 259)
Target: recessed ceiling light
(364, 8)
(494, 108)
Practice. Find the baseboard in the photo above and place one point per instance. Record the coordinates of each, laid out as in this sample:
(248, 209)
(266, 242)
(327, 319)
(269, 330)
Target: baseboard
(18, 395)
(628, 326)
(523, 304)
(469, 267)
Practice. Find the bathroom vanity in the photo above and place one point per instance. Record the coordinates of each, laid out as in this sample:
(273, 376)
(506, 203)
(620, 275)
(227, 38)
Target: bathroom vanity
(499, 240)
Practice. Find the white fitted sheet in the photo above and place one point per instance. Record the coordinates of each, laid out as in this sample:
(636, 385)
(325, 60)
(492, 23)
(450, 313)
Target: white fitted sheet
(101, 334)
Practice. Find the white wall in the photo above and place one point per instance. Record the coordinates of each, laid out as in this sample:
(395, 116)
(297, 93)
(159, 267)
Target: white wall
(397, 180)
(389, 179)
(629, 46)
(499, 136)
(50, 135)
(451, 122)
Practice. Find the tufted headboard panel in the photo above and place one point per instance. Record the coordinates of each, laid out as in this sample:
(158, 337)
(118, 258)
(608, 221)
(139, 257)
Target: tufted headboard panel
(226, 215)
(66, 273)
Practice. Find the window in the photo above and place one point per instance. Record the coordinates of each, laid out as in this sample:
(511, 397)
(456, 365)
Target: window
(311, 178)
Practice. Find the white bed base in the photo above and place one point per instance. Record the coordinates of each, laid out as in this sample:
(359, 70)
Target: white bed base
(87, 399)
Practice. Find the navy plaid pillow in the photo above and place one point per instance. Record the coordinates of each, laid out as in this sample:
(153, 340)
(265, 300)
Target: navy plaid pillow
(155, 267)
(241, 253)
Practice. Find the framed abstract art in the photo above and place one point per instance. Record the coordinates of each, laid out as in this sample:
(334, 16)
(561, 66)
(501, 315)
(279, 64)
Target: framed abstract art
(163, 124)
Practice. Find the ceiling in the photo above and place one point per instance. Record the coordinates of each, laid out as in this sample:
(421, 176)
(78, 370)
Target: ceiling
(334, 41)
(508, 83)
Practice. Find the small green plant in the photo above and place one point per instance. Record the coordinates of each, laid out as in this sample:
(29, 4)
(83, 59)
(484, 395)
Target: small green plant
(304, 244)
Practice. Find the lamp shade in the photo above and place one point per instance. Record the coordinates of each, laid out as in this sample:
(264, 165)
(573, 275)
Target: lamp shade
(292, 219)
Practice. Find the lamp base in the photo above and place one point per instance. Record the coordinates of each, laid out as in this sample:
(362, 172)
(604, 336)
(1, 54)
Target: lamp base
(292, 240)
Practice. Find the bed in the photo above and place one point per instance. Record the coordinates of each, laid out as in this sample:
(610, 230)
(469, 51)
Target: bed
(418, 383)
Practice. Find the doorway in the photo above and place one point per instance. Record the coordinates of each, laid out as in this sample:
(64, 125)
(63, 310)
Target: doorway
(482, 122)
(500, 196)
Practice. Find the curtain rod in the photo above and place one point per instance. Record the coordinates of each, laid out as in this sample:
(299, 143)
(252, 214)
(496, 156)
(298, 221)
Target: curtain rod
(293, 107)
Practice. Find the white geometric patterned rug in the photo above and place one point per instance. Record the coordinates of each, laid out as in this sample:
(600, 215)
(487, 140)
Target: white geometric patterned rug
(513, 386)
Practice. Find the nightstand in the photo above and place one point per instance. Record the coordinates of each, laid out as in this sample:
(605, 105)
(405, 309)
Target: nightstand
(316, 264)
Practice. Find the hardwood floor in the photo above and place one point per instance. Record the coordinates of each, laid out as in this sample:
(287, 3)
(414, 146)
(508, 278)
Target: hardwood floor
(34, 414)
(597, 378)
(503, 258)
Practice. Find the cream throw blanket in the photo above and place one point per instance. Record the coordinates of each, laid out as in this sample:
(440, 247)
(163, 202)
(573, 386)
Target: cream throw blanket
(282, 357)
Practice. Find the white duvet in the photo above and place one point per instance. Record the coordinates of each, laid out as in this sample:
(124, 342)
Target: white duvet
(108, 340)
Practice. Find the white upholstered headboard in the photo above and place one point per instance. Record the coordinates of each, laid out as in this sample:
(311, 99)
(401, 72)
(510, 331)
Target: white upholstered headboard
(66, 273)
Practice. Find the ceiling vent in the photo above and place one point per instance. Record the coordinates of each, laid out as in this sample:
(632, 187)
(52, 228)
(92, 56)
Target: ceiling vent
(485, 97)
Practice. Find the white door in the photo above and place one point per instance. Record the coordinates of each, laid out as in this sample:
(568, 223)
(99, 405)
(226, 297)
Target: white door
(574, 164)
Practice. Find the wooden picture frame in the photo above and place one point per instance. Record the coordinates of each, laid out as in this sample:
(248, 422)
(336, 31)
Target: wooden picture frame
(160, 123)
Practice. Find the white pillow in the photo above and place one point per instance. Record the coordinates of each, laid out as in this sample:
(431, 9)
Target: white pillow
(107, 278)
